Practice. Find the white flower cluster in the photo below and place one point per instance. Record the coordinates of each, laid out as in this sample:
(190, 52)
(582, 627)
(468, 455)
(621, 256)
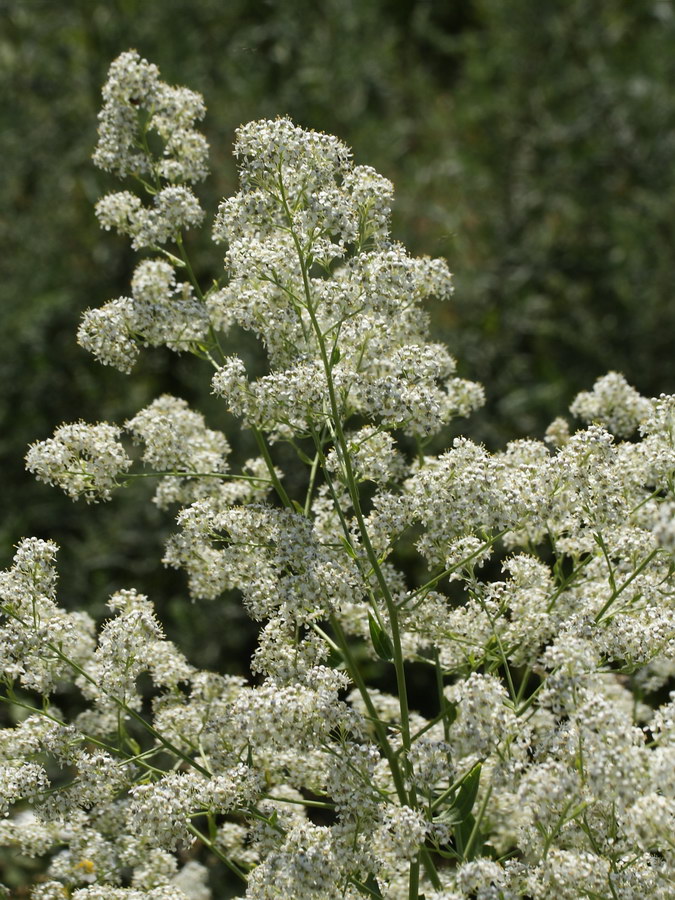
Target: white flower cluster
(36, 635)
(315, 275)
(538, 627)
(273, 556)
(176, 439)
(174, 209)
(138, 105)
(137, 102)
(612, 403)
(84, 460)
(159, 312)
(189, 459)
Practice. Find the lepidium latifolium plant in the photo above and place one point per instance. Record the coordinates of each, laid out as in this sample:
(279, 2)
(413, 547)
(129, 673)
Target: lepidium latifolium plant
(542, 622)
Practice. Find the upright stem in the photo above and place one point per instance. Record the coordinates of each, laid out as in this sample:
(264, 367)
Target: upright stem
(380, 730)
(265, 453)
(345, 459)
(409, 796)
(414, 882)
(188, 266)
(343, 452)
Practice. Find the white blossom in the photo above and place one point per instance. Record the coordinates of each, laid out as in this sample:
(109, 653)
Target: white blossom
(84, 460)
(527, 593)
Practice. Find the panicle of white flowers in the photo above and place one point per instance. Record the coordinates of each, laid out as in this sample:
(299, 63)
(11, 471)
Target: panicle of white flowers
(558, 432)
(160, 312)
(398, 838)
(271, 555)
(137, 102)
(314, 274)
(373, 455)
(310, 863)
(108, 334)
(174, 209)
(84, 460)
(166, 312)
(21, 781)
(36, 636)
(612, 403)
(541, 617)
(176, 439)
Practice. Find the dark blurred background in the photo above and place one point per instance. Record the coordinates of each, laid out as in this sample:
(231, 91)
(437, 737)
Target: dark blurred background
(531, 143)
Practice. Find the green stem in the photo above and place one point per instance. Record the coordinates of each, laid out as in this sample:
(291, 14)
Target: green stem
(233, 867)
(430, 868)
(616, 593)
(476, 825)
(200, 293)
(380, 730)
(188, 267)
(317, 804)
(312, 482)
(600, 541)
(265, 453)
(414, 879)
(225, 476)
(441, 696)
(345, 459)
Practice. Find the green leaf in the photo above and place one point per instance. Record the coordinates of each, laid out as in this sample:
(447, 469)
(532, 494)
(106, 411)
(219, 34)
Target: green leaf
(467, 792)
(348, 547)
(449, 711)
(371, 887)
(297, 507)
(449, 816)
(462, 833)
(381, 640)
(335, 356)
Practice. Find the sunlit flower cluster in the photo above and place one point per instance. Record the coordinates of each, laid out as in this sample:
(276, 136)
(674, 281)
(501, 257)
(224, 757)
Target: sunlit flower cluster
(463, 686)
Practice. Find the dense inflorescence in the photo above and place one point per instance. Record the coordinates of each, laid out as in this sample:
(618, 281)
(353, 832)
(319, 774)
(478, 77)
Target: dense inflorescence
(541, 610)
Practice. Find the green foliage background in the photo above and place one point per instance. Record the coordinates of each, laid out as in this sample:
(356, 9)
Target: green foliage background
(531, 143)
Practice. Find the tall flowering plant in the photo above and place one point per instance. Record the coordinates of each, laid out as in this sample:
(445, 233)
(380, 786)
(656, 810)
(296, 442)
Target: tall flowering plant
(545, 620)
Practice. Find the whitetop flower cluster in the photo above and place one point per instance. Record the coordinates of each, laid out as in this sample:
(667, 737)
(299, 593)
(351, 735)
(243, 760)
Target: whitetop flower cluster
(314, 274)
(139, 106)
(539, 617)
(614, 404)
(90, 460)
(137, 102)
(159, 312)
(84, 460)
